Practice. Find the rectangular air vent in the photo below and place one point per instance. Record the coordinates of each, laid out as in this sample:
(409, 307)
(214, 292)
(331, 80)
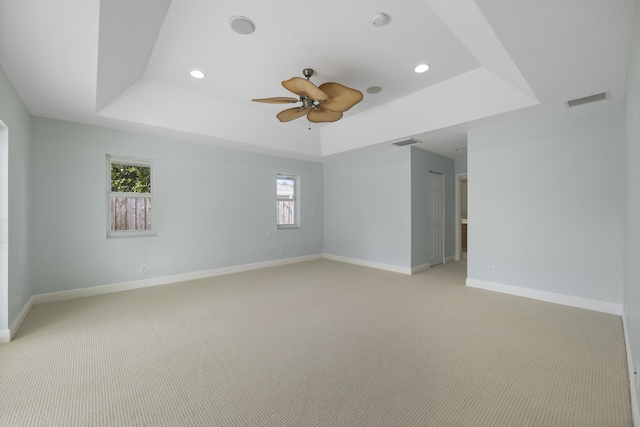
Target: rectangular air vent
(588, 99)
(405, 141)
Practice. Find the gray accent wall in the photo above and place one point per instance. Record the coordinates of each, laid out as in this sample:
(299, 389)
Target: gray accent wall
(460, 165)
(212, 208)
(376, 206)
(546, 203)
(631, 289)
(368, 207)
(423, 162)
(17, 121)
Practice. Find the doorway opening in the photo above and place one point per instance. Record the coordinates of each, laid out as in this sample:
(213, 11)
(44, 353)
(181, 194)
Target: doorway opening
(461, 216)
(4, 225)
(436, 219)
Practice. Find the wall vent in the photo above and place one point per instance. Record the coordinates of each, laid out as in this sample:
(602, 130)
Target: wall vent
(405, 141)
(588, 99)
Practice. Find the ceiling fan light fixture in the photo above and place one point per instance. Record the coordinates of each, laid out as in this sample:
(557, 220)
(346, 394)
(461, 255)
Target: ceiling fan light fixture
(242, 25)
(197, 74)
(421, 68)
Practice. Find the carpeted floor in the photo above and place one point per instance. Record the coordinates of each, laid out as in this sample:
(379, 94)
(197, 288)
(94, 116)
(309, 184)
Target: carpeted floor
(318, 343)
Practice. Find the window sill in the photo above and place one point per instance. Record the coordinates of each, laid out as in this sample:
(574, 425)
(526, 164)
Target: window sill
(121, 234)
(288, 227)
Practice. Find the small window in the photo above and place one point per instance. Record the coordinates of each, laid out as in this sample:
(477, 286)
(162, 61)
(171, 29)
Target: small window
(130, 200)
(286, 201)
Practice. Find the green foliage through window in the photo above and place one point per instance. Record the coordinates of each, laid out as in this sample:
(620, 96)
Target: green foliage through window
(130, 178)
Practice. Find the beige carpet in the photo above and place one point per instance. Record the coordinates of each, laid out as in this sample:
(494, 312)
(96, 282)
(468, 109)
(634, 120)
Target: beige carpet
(319, 343)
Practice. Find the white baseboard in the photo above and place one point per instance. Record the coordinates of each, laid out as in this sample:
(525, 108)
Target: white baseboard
(569, 300)
(165, 280)
(371, 264)
(5, 336)
(418, 269)
(17, 322)
(634, 393)
(450, 259)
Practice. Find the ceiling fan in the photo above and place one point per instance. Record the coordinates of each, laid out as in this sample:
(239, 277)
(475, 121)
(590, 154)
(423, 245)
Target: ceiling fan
(320, 104)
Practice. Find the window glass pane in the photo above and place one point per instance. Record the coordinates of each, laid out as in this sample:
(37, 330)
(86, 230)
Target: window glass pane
(130, 178)
(286, 212)
(285, 188)
(130, 213)
(130, 197)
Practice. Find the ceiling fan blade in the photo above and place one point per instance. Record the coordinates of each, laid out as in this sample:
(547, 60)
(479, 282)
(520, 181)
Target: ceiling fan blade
(341, 98)
(291, 114)
(322, 116)
(277, 100)
(302, 87)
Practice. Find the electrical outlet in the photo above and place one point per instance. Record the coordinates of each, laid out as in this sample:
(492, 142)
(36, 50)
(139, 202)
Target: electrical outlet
(491, 271)
(143, 269)
(281, 251)
(268, 232)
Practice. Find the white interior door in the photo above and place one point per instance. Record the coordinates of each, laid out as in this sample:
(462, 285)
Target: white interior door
(436, 222)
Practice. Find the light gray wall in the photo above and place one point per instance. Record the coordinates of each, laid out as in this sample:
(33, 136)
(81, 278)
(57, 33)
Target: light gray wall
(423, 162)
(546, 201)
(632, 199)
(461, 165)
(368, 207)
(212, 208)
(16, 118)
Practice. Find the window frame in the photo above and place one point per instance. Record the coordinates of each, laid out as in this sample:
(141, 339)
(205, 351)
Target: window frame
(132, 161)
(296, 200)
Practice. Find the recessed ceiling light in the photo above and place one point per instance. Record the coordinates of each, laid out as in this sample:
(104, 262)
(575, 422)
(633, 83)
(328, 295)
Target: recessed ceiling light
(421, 68)
(374, 89)
(197, 74)
(242, 25)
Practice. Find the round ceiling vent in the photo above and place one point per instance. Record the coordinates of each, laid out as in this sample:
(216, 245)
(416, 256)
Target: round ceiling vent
(242, 25)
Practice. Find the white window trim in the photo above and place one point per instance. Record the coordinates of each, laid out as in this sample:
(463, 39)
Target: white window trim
(134, 162)
(296, 199)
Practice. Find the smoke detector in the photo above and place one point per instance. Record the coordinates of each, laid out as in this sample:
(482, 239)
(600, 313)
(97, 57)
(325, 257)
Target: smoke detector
(379, 19)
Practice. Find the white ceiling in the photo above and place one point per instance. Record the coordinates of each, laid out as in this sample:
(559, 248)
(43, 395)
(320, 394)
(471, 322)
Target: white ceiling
(125, 64)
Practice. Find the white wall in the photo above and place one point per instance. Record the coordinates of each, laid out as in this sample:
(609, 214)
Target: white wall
(546, 202)
(368, 207)
(16, 119)
(211, 210)
(632, 207)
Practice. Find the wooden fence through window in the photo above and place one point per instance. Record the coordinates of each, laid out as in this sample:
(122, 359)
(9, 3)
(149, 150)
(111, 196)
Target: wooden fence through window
(286, 212)
(130, 213)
